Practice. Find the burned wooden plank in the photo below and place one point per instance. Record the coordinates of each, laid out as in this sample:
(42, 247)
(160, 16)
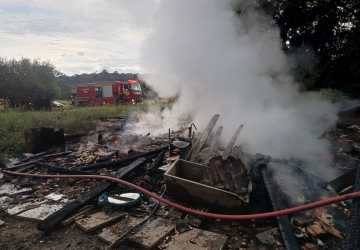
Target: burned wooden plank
(133, 229)
(98, 220)
(122, 162)
(31, 157)
(119, 230)
(197, 239)
(201, 141)
(78, 215)
(62, 170)
(232, 142)
(71, 208)
(10, 189)
(25, 164)
(231, 174)
(215, 141)
(215, 171)
(37, 159)
(22, 207)
(237, 175)
(54, 155)
(210, 149)
(277, 200)
(353, 234)
(40, 213)
(158, 160)
(152, 233)
(343, 181)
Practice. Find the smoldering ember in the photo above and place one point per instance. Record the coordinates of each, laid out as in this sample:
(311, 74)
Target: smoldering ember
(241, 129)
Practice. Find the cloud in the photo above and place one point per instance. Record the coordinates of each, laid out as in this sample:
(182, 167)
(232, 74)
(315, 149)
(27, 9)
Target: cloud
(108, 33)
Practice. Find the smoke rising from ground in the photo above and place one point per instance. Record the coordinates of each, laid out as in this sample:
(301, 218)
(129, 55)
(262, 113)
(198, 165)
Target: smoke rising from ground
(231, 64)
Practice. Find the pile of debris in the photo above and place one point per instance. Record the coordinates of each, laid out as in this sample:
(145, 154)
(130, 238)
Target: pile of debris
(196, 170)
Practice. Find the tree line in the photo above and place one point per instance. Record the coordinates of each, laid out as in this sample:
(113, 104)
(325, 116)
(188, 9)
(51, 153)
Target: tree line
(26, 83)
(95, 77)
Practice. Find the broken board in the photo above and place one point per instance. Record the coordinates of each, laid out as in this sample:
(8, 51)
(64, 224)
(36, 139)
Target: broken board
(197, 239)
(40, 213)
(98, 220)
(152, 233)
(116, 232)
(9, 189)
(22, 207)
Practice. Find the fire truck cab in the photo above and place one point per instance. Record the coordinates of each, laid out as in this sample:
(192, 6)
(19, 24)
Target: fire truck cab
(118, 92)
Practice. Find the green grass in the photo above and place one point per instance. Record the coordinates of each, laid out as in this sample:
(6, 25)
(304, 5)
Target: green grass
(13, 123)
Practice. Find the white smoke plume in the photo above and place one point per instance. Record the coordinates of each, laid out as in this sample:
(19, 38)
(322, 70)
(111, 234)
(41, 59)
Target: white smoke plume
(231, 64)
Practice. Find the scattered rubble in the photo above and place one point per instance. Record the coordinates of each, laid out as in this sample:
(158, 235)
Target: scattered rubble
(198, 171)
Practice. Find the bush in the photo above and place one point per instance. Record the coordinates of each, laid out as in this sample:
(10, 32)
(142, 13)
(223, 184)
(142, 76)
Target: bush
(29, 84)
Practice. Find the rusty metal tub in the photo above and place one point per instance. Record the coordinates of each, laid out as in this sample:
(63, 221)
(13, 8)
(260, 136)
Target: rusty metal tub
(183, 181)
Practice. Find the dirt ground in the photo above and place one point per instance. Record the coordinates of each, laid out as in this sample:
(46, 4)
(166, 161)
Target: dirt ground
(19, 234)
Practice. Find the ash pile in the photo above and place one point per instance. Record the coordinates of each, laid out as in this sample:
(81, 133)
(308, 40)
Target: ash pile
(187, 167)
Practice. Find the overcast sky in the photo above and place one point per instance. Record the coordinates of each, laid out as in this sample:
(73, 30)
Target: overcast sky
(77, 35)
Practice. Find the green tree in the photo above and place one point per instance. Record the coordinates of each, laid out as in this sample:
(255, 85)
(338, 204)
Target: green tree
(28, 83)
(327, 29)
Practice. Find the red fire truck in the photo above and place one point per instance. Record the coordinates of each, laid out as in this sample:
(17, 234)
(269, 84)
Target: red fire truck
(118, 92)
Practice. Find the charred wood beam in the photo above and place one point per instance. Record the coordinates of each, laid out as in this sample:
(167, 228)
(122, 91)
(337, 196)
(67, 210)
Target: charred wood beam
(216, 139)
(34, 156)
(202, 140)
(121, 162)
(278, 202)
(51, 222)
(315, 185)
(41, 157)
(216, 173)
(157, 162)
(343, 181)
(25, 164)
(232, 142)
(353, 235)
(62, 170)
